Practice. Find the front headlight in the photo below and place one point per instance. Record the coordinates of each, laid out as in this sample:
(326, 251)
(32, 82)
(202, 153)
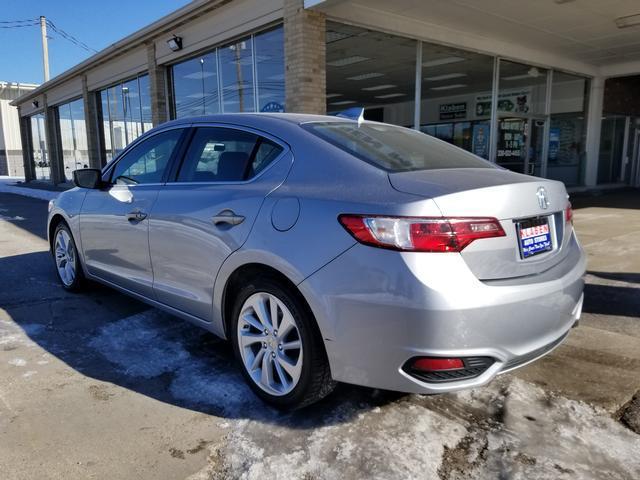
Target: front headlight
(50, 207)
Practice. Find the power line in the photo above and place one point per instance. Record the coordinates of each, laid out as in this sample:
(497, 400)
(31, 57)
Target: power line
(70, 38)
(6, 24)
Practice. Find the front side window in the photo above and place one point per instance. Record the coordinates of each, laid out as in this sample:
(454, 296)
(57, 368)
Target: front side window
(148, 161)
(226, 155)
(394, 149)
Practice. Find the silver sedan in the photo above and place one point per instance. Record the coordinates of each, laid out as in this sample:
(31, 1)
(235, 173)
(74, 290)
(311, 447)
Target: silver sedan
(328, 249)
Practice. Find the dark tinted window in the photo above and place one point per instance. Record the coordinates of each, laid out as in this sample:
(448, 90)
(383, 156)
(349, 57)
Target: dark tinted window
(395, 149)
(226, 155)
(147, 161)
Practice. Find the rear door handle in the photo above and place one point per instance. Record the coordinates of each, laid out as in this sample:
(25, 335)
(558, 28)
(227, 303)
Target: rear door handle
(227, 217)
(136, 216)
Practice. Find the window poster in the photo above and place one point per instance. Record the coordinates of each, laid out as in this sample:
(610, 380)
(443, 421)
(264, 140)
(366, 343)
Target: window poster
(481, 140)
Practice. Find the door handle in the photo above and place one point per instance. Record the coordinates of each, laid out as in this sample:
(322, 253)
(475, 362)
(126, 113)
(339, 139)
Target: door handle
(136, 216)
(227, 217)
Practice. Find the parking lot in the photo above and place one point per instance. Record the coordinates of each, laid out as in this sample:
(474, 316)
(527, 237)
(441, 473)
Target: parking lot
(97, 385)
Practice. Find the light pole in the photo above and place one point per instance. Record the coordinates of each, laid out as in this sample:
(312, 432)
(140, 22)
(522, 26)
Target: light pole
(45, 47)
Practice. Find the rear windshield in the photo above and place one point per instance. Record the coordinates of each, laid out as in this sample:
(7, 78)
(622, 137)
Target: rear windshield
(394, 149)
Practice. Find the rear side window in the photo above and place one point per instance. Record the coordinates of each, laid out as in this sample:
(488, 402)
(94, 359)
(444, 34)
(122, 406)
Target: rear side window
(226, 155)
(394, 149)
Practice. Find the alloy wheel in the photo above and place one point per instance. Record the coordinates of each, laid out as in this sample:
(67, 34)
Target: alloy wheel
(270, 344)
(65, 254)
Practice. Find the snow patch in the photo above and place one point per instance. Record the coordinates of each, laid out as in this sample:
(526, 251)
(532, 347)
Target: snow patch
(17, 362)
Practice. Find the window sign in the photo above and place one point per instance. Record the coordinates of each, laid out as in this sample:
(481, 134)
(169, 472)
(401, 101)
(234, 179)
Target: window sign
(481, 139)
(450, 111)
(514, 101)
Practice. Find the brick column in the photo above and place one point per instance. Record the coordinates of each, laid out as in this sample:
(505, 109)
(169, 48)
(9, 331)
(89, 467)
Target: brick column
(92, 126)
(305, 58)
(54, 149)
(27, 152)
(158, 93)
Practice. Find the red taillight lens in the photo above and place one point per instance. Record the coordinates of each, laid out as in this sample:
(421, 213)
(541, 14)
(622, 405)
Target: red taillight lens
(436, 364)
(568, 213)
(420, 234)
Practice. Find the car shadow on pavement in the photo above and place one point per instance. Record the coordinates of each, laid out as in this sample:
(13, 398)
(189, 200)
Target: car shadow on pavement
(112, 338)
(618, 300)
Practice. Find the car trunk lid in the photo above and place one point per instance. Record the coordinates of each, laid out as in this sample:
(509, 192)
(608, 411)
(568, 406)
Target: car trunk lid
(511, 198)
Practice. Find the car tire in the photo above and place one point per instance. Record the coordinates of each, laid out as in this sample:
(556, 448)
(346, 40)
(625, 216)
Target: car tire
(286, 378)
(66, 259)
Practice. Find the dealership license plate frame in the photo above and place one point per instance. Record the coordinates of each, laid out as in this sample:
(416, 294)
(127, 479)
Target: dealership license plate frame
(536, 243)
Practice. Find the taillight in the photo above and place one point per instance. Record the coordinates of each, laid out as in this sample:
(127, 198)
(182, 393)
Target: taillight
(420, 234)
(568, 213)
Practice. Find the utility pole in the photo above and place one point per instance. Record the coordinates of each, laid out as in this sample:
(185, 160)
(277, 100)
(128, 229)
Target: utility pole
(45, 48)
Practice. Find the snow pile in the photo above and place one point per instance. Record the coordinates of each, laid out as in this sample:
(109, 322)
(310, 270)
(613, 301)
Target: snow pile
(509, 429)
(8, 185)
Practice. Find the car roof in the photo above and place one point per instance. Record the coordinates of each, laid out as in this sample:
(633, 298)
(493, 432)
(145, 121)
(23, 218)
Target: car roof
(242, 118)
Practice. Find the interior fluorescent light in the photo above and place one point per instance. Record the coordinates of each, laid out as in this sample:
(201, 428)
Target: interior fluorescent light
(366, 76)
(333, 95)
(343, 102)
(333, 36)
(517, 77)
(628, 21)
(341, 62)
(443, 61)
(379, 87)
(391, 95)
(446, 76)
(449, 87)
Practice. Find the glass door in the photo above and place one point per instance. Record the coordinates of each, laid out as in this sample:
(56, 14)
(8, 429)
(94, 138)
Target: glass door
(520, 146)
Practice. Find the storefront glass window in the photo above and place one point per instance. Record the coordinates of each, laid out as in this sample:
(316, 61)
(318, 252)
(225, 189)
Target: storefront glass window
(456, 97)
(370, 69)
(270, 70)
(126, 113)
(566, 155)
(73, 137)
(236, 72)
(195, 87)
(39, 151)
(223, 80)
(521, 120)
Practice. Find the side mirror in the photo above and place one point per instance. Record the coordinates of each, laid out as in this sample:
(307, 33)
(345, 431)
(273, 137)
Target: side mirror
(87, 178)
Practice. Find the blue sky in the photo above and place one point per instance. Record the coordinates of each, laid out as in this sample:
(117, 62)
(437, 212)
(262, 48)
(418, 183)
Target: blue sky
(96, 23)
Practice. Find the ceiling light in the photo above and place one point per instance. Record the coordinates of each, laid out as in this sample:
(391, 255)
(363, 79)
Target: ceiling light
(443, 61)
(449, 87)
(563, 1)
(366, 76)
(343, 102)
(333, 36)
(379, 87)
(392, 95)
(533, 72)
(447, 76)
(628, 21)
(342, 62)
(175, 43)
(333, 95)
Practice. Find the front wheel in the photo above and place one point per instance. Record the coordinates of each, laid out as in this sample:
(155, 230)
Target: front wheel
(279, 346)
(67, 261)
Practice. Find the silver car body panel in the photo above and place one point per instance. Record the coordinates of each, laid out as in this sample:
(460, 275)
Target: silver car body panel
(375, 308)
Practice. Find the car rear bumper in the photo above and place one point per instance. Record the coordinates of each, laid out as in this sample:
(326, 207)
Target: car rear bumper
(377, 309)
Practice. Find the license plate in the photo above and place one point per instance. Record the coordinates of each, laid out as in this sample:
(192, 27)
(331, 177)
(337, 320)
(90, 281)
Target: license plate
(534, 236)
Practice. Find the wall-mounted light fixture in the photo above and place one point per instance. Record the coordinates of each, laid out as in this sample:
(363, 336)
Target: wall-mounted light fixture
(175, 43)
(35, 104)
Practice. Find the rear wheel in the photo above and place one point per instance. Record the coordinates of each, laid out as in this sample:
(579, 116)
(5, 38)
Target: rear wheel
(65, 256)
(279, 347)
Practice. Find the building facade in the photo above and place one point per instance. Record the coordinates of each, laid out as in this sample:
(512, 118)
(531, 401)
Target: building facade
(548, 88)
(11, 160)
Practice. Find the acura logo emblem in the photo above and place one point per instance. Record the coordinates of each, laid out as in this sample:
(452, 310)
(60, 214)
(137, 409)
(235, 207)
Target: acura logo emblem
(543, 200)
